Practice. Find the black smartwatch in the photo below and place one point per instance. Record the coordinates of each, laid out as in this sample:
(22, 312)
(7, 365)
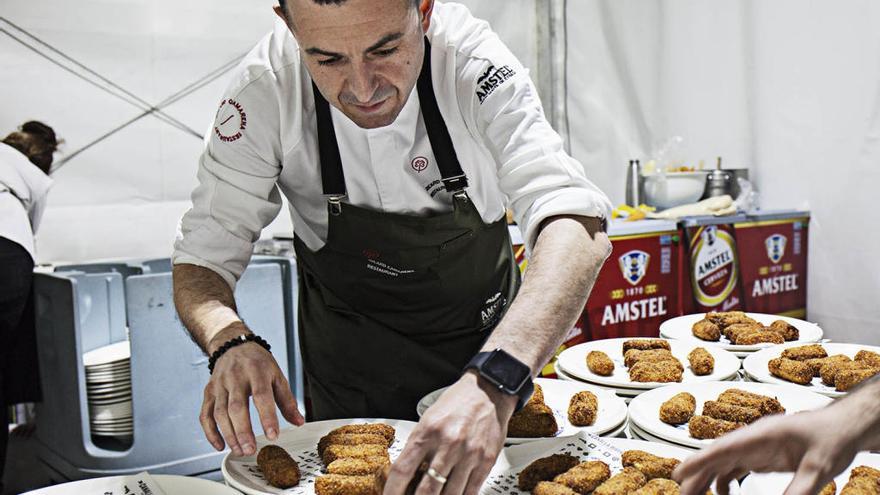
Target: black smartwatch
(507, 373)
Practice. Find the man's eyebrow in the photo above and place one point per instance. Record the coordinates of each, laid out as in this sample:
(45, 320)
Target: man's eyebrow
(388, 38)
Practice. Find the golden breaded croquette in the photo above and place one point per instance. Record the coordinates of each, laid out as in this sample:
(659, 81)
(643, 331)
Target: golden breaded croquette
(867, 471)
(532, 421)
(863, 480)
(788, 331)
(646, 344)
(704, 427)
(759, 337)
(829, 489)
(846, 380)
(791, 370)
(705, 329)
(726, 318)
(732, 332)
(354, 466)
(599, 363)
(584, 477)
(730, 412)
(582, 408)
(662, 371)
(626, 481)
(551, 488)
(869, 357)
(386, 431)
(537, 395)
(333, 452)
(804, 352)
(767, 405)
(829, 371)
(339, 484)
(634, 356)
(650, 465)
(816, 364)
(701, 361)
(278, 468)
(679, 409)
(658, 486)
(545, 469)
(351, 439)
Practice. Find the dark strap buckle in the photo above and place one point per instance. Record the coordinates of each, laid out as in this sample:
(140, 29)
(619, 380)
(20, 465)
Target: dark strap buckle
(335, 203)
(455, 184)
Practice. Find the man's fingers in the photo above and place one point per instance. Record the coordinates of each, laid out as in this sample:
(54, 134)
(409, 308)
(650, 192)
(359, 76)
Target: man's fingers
(722, 484)
(221, 416)
(404, 468)
(287, 402)
(209, 426)
(239, 415)
(265, 404)
(457, 480)
(481, 471)
(808, 478)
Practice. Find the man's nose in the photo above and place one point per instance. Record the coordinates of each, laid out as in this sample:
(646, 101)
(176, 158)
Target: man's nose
(362, 82)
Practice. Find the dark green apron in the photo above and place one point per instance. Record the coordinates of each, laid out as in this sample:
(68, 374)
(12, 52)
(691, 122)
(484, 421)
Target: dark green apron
(393, 306)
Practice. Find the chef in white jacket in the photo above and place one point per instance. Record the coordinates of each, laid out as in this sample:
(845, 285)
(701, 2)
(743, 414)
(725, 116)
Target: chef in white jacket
(399, 131)
(25, 160)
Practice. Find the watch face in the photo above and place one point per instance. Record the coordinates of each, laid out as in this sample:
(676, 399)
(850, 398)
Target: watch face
(506, 370)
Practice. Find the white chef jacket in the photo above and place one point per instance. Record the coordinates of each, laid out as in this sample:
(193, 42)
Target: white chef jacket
(264, 140)
(23, 190)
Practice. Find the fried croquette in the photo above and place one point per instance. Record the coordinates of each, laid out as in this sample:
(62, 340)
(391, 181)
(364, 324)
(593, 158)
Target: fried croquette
(726, 318)
(634, 356)
(626, 481)
(353, 466)
(863, 480)
(658, 486)
(351, 439)
(817, 363)
(701, 361)
(865, 471)
(829, 489)
(537, 395)
(846, 380)
(759, 337)
(279, 469)
(804, 352)
(704, 427)
(662, 371)
(679, 409)
(646, 344)
(830, 371)
(767, 405)
(788, 331)
(551, 488)
(869, 357)
(532, 421)
(730, 412)
(372, 428)
(582, 408)
(650, 465)
(599, 363)
(732, 332)
(791, 370)
(340, 484)
(545, 469)
(706, 330)
(333, 452)
(584, 477)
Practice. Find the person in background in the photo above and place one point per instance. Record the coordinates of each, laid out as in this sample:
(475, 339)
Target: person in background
(815, 445)
(25, 160)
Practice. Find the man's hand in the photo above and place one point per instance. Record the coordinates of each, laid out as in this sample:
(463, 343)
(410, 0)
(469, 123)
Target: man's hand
(243, 371)
(460, 437)
(816, 445)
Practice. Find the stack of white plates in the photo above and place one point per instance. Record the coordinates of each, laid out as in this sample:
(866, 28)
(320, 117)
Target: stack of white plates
(681, 328)
(572, 365)
(108, 385)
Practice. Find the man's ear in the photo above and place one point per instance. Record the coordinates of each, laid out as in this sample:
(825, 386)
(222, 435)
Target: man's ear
(426, 8)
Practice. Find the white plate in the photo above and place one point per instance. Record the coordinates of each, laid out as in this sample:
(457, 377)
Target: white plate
(170, 484)
(557, 394)
(111, 367)
(107, 355)
(640, 434)
(681, 328)
(301, 443)
(756, 365)
(644, 410)
(110, 411)
(573, 361)
(775, 483)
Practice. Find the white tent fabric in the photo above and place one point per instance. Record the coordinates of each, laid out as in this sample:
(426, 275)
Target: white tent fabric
(789, 89)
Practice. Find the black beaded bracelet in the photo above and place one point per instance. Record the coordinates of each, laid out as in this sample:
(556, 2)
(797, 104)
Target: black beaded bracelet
(241, 339)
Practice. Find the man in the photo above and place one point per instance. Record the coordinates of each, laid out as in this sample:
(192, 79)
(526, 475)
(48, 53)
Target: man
(815, 445)
(398, 130)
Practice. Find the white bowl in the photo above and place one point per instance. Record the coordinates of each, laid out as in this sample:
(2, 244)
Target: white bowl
(674, 188)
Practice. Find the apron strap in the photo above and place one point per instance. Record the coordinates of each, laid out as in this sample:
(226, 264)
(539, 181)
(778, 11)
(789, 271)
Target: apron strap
(332, 176)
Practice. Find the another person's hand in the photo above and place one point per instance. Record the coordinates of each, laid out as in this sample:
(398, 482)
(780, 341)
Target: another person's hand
(458, 438)
(815, 445)
(244, 371)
